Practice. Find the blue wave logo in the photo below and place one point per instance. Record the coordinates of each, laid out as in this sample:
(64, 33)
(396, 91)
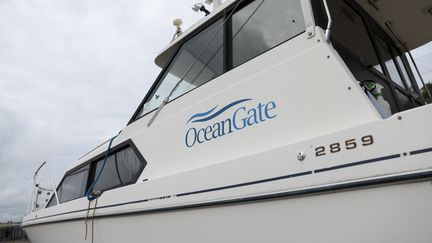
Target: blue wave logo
(206, 116)
(242, 117)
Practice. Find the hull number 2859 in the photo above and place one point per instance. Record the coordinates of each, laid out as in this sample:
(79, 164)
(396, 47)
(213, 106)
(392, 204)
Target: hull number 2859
(350, 144)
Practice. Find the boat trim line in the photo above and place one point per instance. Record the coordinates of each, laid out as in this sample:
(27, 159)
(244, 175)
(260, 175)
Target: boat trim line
(417, 175)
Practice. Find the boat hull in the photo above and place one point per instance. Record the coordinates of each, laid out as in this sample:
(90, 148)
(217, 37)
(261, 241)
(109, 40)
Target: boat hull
(386, 213)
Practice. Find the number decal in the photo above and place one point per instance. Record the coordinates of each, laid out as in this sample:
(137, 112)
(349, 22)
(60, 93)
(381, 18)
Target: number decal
(320, 151)
(367, 140)
(350, 144)
(334, 148)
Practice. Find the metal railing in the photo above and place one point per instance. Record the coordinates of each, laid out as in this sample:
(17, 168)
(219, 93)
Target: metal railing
(38, 191)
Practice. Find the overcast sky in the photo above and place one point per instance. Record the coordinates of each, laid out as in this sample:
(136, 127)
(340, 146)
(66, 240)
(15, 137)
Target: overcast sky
(72, 73)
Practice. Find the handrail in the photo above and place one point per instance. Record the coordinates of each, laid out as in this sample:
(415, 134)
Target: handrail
(52, 183)
(51, 179)
(329, 23)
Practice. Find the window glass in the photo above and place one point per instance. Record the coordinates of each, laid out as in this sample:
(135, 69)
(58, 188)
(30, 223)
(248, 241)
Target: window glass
(108, 178)
(422, 56)
(121, 168)
(350, 35)
(405, 74)
(414, 71)
(388, 61)
(262, 25)
(404, 101)
(52, 201)
(403, 70)
(208, 66)
(73, 185)
(128, 166)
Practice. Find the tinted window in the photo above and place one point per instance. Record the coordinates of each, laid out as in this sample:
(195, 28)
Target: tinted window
(350, 34)
(366, 48)
(422, 88)
(208, 66)
(73, 185)
(403, 71)
(121, 168)
(405, 102)
(52, 201)
(262, 25)
(129, 166)
(388, 61)
(109, 177)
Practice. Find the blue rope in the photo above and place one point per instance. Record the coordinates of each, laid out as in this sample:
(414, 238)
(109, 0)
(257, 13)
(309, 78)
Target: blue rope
(89, 194)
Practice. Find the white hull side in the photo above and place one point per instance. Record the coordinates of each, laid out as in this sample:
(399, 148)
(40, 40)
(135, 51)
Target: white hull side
(393, 213)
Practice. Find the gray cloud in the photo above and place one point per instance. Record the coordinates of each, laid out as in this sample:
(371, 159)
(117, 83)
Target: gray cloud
(71, 75)
(423, 55)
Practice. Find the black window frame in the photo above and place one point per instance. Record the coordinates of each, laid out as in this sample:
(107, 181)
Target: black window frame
(114, 151)
(69, 173)
(92, 168)
(158, 80)
(161, 76)
(387, 77)
(373, 30)
(227, 53)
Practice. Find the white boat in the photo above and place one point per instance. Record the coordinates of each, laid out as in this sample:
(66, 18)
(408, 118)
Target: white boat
(271, 121)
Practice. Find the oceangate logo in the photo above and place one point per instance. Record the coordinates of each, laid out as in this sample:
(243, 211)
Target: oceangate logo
(243, 115)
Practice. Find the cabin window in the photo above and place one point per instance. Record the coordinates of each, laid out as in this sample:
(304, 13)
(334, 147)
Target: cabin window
(388, 61)
(255, 28)
(370, 55)
(208, 66)
(73, 185)
(403, 71)
(396, 72)
(121, 168)
(351, 36)
(262, 25)
(417, 81)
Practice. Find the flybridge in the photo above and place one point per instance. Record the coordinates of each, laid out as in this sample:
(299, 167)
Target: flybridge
(241, 118)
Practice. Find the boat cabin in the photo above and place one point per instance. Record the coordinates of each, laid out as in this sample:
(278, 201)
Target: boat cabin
(249, 37)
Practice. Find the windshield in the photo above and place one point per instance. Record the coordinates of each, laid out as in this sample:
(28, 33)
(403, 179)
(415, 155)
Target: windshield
(208, 66)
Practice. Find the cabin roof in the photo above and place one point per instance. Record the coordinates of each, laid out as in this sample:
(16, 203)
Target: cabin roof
(411, 20)
(165, 55)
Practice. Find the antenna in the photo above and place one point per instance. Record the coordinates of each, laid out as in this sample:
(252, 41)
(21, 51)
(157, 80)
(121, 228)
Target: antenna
(177, 23)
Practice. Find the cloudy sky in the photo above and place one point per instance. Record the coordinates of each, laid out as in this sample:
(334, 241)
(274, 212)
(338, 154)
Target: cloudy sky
(71, 74)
